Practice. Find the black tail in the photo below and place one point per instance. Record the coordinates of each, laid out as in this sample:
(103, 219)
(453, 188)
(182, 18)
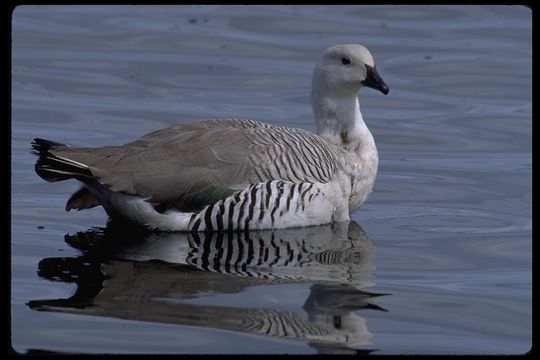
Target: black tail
(51, 167)
(41, 146)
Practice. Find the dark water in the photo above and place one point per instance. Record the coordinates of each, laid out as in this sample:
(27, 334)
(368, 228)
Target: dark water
(437, 261)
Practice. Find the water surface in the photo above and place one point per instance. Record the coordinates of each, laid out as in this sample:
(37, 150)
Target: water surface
(438, 261)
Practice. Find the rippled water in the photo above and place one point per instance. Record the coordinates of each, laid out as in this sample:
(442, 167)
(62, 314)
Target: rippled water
(437, 261)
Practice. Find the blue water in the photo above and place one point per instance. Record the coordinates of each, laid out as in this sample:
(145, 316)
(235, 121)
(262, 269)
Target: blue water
(445, 236)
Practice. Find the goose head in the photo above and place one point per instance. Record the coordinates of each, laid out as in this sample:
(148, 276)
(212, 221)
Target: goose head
(337, 78)
(346, 68)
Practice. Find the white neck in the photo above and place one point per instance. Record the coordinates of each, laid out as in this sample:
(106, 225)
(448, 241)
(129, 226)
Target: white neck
(340, 122)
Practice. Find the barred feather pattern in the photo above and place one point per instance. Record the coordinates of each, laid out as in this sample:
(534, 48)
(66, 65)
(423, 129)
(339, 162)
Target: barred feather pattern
(233, 253)
(272, 204)
(277, 260)
(287, 324)
(297, 155)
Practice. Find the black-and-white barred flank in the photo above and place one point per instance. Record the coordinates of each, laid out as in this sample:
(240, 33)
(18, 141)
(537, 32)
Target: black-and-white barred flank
(260, 206)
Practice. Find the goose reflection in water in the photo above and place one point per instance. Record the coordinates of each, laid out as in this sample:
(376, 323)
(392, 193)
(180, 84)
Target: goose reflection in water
(118, 276)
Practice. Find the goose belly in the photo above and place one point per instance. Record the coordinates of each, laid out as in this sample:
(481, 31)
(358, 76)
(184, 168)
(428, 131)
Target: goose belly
(268, 205)
(361, 189)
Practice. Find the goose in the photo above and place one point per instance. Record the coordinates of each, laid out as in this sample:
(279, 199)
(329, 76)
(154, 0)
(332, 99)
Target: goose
(236, 174)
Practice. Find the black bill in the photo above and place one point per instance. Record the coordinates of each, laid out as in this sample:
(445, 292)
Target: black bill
(374, 80)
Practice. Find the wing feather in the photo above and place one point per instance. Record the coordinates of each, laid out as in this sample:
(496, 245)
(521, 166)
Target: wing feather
(170, 164)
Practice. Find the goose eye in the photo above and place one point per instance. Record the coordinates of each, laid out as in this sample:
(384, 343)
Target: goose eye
(345, 60)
